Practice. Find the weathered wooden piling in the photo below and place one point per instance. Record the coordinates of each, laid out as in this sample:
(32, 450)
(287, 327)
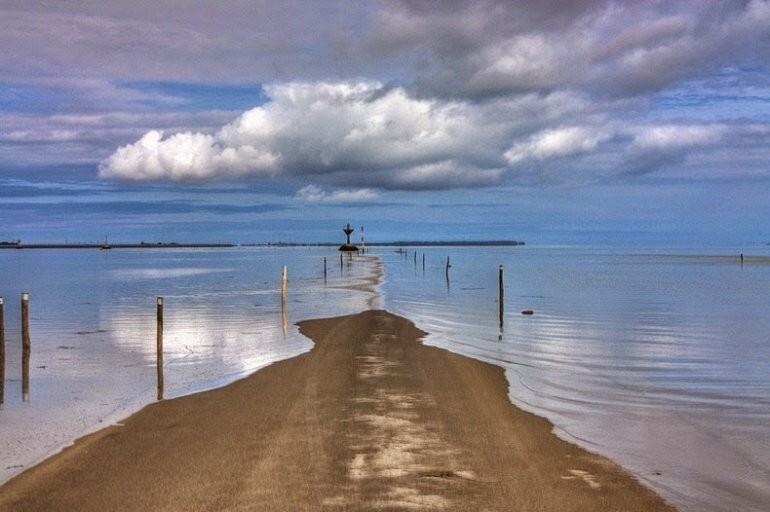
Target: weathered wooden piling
(2, 354)
(26, 347)
(423, 262)
(284, 281)
(501, 295)
(446, 272)
(160, 346)
(324, 269)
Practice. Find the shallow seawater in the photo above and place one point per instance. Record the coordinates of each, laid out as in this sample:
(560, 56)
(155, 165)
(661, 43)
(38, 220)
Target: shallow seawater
(658, 359)
(93, 329)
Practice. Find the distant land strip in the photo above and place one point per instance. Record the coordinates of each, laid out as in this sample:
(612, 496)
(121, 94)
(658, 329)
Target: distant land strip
(415, 243)
(459, 243)
(143, 245)
(175, 245)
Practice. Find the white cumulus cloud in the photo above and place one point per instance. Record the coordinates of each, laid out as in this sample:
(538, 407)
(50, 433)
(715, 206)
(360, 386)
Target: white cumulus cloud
(315, 194)
(185, 156)
(557, 142)
(344, 134)
(359, 137)
(673, 137)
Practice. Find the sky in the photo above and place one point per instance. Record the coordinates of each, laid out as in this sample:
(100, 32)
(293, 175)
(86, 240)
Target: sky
(247, 121)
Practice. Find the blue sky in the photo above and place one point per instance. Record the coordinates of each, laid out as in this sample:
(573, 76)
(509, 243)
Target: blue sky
(244, 121)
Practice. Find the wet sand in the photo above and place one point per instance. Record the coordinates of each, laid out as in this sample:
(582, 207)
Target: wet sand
(369, 419)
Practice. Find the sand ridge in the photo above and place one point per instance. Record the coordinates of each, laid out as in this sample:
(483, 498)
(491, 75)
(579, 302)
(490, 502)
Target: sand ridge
(369, 419)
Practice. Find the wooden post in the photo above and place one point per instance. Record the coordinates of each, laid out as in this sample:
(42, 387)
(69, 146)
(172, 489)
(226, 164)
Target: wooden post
(415, 258)
(284, 321)
(160, 346)
(324, 269)
(2, 354)
(501, 297)
(26, 347)
(446, 271)
(284, 279)
(423, 262)
(341, 261)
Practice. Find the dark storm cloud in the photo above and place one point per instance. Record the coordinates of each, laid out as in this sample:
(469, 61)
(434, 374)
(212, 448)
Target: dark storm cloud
(178, 40)
(478, 49)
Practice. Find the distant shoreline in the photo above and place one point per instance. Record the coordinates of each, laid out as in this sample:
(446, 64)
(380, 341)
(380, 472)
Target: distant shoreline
(174, 245)
(414, 243)
(159, 245)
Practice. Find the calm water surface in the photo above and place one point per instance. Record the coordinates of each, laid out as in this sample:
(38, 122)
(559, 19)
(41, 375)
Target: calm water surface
(93, 329)
(660, 360)
(657, 359)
